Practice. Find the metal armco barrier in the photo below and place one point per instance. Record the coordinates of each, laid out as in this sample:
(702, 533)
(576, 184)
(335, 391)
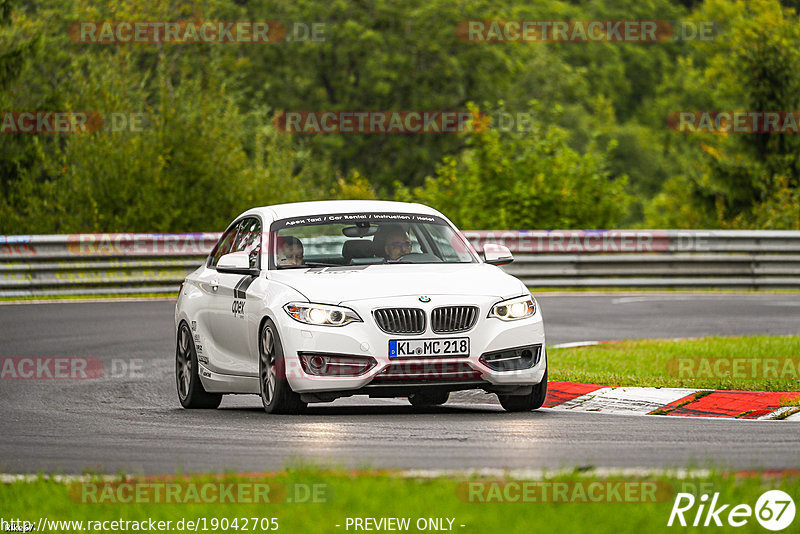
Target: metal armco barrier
(157, 263)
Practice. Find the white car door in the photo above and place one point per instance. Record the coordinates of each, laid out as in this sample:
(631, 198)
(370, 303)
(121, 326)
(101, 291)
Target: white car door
(233, 333)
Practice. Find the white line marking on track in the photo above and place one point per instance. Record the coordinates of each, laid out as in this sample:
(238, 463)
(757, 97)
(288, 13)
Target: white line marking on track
(626, 400)
(795, 417)
(776, 413)
(9, 478)
(574, 344)
(684, 297)
(519, 474)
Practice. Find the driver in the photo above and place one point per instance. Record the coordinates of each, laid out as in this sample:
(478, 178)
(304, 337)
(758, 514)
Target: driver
(290, 251)
(391, 242)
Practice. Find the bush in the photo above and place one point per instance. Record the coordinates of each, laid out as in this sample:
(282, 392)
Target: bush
(524, 180)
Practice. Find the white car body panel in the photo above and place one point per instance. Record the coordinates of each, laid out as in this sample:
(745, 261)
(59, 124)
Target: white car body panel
(226, 336)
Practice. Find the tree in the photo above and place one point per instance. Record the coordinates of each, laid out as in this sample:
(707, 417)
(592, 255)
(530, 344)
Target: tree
(532, 180)
(736, 179)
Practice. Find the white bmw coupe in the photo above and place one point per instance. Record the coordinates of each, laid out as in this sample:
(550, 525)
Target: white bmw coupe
(313, 301)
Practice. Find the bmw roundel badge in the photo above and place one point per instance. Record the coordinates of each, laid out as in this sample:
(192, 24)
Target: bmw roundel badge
(424, 299)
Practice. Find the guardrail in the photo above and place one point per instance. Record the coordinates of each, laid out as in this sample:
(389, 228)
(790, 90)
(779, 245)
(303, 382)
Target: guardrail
(157, 263)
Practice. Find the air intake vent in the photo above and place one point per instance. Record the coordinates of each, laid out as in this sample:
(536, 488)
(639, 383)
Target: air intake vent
(400, 320)
(427, 371)
(512, 359)
(453, 319)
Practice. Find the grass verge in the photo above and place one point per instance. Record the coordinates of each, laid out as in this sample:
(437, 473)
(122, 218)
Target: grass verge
(35, 298)
(753, 363)
(310, 500)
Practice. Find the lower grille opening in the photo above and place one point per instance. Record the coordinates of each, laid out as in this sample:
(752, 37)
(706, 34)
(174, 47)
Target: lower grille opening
(514, 359)
(320, 364)
(399, 372)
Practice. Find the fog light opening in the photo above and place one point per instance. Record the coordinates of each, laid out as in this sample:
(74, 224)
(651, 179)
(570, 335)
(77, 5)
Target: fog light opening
(317, 363)
(514, 359)
(336, 364)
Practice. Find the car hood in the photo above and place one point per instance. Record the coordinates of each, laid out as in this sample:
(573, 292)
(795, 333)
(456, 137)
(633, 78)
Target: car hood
(332, 285)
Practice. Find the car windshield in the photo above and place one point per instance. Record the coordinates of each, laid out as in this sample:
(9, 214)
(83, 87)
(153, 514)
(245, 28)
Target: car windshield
(366, 239)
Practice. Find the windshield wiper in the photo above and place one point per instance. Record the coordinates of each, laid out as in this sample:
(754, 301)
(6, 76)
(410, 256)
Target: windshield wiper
(310, 264)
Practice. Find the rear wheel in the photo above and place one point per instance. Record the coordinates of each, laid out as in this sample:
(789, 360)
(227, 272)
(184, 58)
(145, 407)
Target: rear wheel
(429, 398)
(526, 403)
(276, 394)
(190, 390)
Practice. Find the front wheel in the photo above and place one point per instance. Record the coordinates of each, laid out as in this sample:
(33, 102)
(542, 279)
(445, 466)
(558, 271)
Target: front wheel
(526, 403)
(190, 390)
(276, 394)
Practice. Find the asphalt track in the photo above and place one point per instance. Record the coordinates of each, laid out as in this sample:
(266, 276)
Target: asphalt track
(133, 422)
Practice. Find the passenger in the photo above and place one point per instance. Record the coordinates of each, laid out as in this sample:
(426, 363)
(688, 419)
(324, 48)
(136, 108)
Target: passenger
(290, 251)
(391, 242)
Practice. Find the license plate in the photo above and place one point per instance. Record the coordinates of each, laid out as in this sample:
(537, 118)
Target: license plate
(452, 347)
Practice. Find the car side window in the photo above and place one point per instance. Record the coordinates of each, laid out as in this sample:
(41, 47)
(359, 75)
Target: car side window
(224, 245)
(248, 239)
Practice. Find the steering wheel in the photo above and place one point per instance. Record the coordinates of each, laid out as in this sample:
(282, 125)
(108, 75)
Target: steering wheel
(419, 257)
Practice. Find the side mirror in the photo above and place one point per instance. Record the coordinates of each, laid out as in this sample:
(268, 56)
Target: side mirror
(497, 254)
(236, 263)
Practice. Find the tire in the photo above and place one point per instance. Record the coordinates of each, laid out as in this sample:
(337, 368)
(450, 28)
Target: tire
(191, 393)
(526, 403)
(276, 394)
(429, 398)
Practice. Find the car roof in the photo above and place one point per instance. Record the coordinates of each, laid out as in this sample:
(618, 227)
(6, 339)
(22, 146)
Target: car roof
(322, 207)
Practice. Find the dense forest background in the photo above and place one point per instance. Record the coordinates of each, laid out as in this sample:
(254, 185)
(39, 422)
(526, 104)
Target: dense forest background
(598, 154)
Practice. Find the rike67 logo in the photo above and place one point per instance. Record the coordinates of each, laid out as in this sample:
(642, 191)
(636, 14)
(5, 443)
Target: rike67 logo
(774, 510)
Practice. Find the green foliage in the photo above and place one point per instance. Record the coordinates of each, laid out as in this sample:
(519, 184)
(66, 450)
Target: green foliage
(196, 160)
(524, 180)
(563, 499)
(738, 180)
(601, 155)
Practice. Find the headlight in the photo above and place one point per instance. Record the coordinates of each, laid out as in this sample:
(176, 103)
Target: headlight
(513, 309)
(321, 314)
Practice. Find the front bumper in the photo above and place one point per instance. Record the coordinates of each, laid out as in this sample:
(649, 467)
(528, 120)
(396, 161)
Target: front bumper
(489, 335)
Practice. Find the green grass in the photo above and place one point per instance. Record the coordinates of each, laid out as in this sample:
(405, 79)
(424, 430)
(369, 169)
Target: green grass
(84, 297)
(385, 494)
(697, 396)
(657, 363)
